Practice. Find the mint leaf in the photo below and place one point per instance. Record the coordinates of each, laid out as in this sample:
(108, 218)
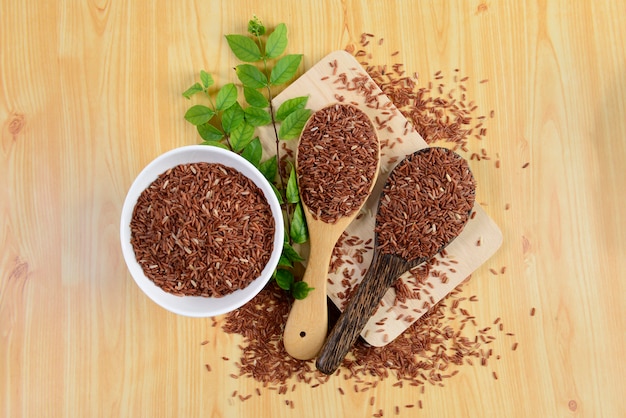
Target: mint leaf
(298, 229)
(232, 117)
(300, 290)
(253, 152)
(206, 78)
(199, 114)
(278, 194)
(293, 124)
(241, 136)
(196, 88)
(284, 279)
(293, 195)
(290, 105)
(291, 253)
(255, 98)
(226, 97)
(276, 42)
(251, 76)
(244, 48)
(269, 168)
(256, 116)
(284, 261)
(285, 69)
(215, 144)
(208, 132)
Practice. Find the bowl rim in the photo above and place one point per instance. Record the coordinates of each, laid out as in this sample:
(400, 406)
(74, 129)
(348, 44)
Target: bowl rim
(199, 306)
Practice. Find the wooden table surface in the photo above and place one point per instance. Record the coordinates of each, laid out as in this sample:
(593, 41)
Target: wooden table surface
(90, 92)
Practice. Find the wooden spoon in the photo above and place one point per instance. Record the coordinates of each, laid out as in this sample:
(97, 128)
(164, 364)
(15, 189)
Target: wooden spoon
(390, 262)
(307, 324)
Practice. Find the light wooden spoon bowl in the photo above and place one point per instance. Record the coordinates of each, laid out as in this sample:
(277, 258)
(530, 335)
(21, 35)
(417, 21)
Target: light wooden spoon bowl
(307, 324)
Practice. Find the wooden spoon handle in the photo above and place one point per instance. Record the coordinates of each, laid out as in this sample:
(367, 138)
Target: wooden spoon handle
(382, 273)
(307, 324)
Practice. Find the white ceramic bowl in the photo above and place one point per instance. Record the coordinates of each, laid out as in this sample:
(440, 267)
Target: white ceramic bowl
(198, 306)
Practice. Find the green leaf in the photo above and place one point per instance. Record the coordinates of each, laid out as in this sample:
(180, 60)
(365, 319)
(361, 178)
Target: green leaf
(284, 279)
(255, 27)
(255, 98)
(289, 106)
(269, 168)
(301, 290)
(208, 132)
(251, 76)
(226, 97)
(285, 69)
(283, 261)
(293, 195)
(298, 229)
(215, 144)
(293, 124)
(199, 114)
(206, 78)
(244, 48)
(253, 152)
(278, 194)
(256, 116)
(241, 136)
(232, 117)
(291, 253)
(196, 88)
(276, 42)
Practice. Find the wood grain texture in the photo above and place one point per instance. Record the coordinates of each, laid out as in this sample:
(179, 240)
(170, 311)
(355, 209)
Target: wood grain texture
(90, 92)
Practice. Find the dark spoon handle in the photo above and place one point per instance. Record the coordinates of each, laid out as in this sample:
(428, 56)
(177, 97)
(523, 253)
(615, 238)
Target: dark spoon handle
(383, 272)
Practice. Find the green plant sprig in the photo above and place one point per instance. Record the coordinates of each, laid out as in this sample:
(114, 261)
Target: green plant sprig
(225, 123)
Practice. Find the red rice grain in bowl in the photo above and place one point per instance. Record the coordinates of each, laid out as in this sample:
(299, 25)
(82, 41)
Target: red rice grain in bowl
(202, 229)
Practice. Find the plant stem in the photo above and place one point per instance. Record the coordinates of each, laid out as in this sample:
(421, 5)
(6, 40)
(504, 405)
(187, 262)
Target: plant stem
(281, 173)
(228, 142)
(206, 91)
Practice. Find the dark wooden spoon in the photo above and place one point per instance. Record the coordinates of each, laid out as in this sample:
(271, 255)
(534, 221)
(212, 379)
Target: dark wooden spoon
(403, 242)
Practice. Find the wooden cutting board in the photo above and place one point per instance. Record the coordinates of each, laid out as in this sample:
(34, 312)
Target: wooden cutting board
(340, 78)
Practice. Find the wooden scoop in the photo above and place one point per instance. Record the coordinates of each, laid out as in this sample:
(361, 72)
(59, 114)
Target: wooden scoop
(389, 263)
(307, 325)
